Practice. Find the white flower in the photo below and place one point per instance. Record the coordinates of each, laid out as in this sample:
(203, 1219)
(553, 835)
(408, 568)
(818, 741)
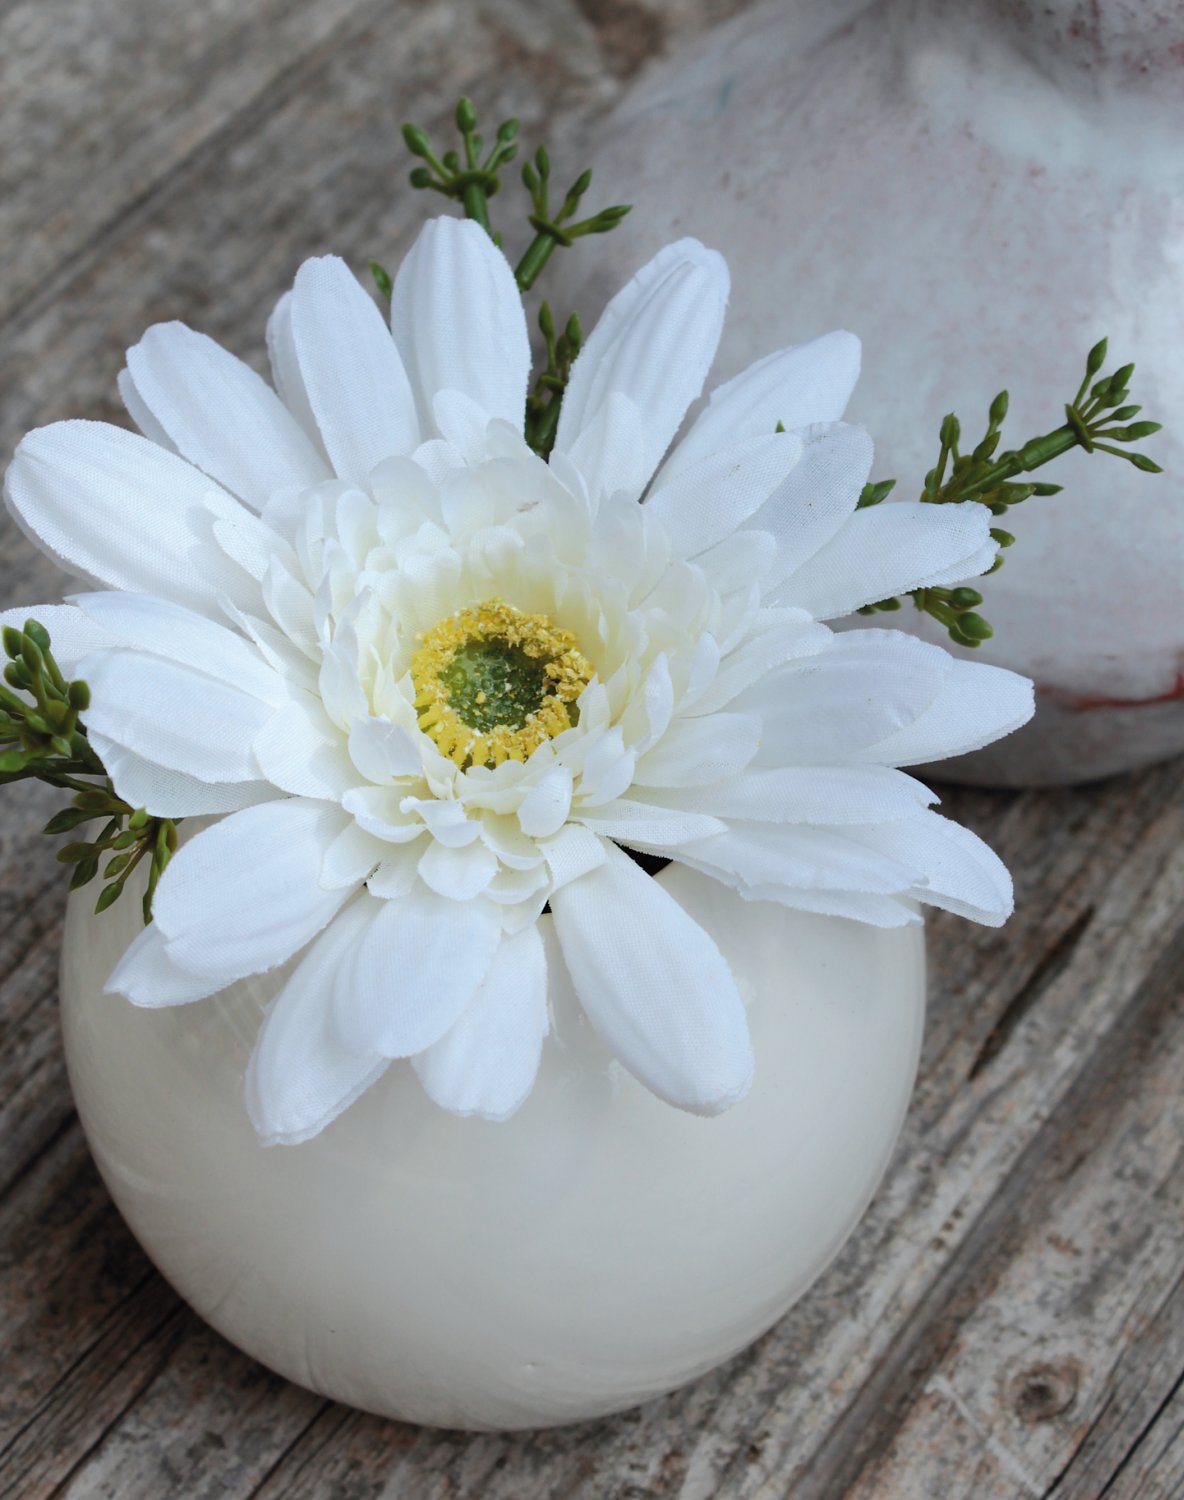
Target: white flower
(433, 683)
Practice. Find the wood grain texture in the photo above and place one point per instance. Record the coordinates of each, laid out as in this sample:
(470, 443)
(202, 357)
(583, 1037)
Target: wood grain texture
(1008, 1321)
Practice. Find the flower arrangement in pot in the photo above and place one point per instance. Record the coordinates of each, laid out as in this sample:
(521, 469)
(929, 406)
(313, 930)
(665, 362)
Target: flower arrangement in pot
(522, 784)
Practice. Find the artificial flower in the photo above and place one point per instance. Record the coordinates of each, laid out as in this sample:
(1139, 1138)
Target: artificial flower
(431, 686)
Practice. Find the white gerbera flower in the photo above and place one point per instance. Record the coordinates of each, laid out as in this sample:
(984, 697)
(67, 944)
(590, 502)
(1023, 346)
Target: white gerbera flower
(431, 683)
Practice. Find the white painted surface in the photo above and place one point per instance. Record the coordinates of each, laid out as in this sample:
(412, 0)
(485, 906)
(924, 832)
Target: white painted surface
(594, 1251)
(980, 189)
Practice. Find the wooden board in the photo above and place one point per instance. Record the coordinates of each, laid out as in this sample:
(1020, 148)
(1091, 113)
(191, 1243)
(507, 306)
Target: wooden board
(1008, 1321)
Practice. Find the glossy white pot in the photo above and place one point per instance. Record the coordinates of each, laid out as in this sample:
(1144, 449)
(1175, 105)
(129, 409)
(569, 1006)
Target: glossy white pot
(979, 189)
(596, 1250)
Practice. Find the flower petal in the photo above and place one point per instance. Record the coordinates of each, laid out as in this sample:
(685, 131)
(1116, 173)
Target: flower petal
(706, 501)
(220, 415)
(458, 321)
(300, 1077)
(415, 970)
(243, 896)
(975, 704)
(818, 497)
(112, 506)
(460, 874)
(956, 870)
(630, 822)
(383, 751)
(655, 986)
(693, 752)
(357, 388)
(545, 807)
(301, 751)
(808, 794)
(72, 635)
(653, 344)
(147, 976)
(172, 715)
(888, 550)
(486, 1063)
(162, 628)
(796, 387)
(172, 794)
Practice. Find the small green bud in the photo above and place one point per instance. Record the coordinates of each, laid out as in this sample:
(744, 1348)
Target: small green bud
(582, 183)
(416, 141)
(31, 656)
(1134, 432)
(108, 895)
(1047, 489)
(466, 115)
(1096, 358)
(965, 598)
(999, 409)
(12, 760)
(507, 130)
(13, 641)
(543, 162)
(138, 819)
(1125, 413)
(573, 332)
(86, 871)
(382, 279)
(16, 674)
(546, 322)
(1004, 538)
(420, 177)
(1141, 461)
(975, 626)
(951, 430)
(71, 854)
(38, 634)
(452, 162)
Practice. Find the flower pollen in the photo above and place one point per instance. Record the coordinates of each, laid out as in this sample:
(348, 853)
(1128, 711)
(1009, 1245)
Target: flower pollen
(493, 683)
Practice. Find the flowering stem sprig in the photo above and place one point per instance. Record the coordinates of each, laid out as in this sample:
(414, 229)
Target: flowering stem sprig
(472, 181)
(42, 738)
(1096, 420)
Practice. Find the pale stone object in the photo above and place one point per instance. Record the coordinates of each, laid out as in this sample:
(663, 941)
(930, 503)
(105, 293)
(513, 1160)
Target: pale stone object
(980, 189)
(599, 1248)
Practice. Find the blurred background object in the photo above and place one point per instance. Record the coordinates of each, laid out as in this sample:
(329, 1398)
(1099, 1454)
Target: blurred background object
(980, 189)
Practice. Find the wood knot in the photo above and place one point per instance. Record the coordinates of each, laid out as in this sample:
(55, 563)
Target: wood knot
(1044, 1391)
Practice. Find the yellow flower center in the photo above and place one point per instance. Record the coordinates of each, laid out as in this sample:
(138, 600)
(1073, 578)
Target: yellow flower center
(492, 683)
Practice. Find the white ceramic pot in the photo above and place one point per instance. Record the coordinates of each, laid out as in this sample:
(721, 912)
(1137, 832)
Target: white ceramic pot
(596, 1250)
(979, 189)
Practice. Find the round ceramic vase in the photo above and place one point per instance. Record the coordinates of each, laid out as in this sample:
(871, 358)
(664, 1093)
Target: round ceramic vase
(980, 189)
(597, 1249)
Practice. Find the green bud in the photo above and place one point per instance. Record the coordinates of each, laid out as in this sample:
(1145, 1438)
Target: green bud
(117, 865)
(546, 322)
(71, 854)
(582, 183)
(16, 674)
(95, 801)
(573, 332)
(138, 819)
(420, 177)
(1096, 358)
(530, 178)
(1047, 489)
(13, 641)
(1004, 538)
(998, 507)
(67, 819)
(452, 162)
(1125, 413)
(38, 634)
(951, 430)
(12, 760)
(965, 598)
(975, 626)
(888, 605)
(1141, 461)
(85, 873)
(466, 115)
(507, 130)
(382, 279)
(1134, 432)
(960, 638)
(999, 409)
(31, 656)
(416, 141)
(543, 162)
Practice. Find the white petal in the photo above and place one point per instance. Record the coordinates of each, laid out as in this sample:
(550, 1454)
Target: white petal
(572, 853)
(957, 870)
(357, 387)
(377, 810)
(796, 855)
(887, 550)
(808, 794)
(285, 370)
(706, 501)
(459, 874)
(486, 1063)
(137, 410)
(72, 635)
(864, 686)
(858, 906)
(545, 807)
(654, 344)
(696, 751)
(173, 715)
(974, 705)
(752, 661)
(162, 628)
(655, 986)
(245, 895)
(351, 858)
(301, 751)
(610, 452)
(112, 506)
(414, 972)
(220, 415)
(458, 321)
(646, 823)
(172, 794)
(147, 976)
(817, 498)
(796, 387)
(383, 751)
(300, 1076)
